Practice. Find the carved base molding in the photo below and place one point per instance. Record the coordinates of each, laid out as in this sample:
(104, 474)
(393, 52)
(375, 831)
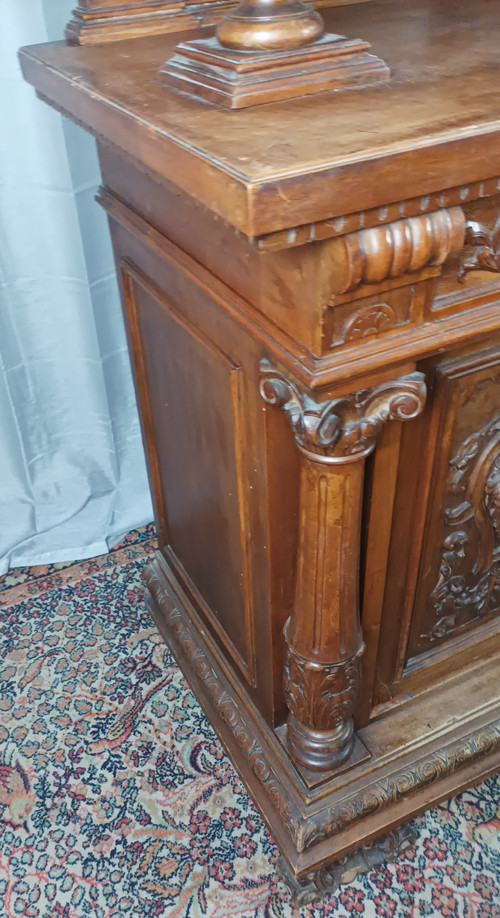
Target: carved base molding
(326, 880)
(239, 79)
(322, 822)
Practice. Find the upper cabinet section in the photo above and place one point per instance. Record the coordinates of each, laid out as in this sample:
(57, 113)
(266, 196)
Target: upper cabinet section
(317, 159)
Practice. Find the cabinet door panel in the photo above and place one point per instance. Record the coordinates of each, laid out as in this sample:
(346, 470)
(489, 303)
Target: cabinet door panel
(459, 579)
(442, 589)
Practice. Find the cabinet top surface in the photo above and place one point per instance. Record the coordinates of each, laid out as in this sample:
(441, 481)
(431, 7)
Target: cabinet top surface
(435, 125)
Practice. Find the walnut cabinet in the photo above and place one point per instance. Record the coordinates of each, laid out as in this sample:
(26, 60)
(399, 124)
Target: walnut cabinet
(312, 298)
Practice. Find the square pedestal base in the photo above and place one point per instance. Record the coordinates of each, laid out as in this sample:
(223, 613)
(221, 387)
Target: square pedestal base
(239, 79)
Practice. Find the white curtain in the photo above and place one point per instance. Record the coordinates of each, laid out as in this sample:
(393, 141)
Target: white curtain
(72, 471)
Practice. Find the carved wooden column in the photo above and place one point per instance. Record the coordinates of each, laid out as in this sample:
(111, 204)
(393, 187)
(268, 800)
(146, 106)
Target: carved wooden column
(323, 635)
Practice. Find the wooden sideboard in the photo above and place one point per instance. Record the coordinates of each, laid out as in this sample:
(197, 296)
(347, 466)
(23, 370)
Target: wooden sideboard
(312, 297)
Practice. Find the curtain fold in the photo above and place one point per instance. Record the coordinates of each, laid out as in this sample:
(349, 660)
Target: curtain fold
(72, 470)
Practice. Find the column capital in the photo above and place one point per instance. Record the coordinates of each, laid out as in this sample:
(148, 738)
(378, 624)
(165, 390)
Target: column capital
(346, 428)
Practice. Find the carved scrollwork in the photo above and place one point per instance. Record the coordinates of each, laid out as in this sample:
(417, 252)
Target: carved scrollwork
(468, 585)
(487, 254)
(222, 700)
(328, 878)
(346, 426)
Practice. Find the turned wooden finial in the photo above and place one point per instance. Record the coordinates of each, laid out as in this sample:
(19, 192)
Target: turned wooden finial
(269, 25)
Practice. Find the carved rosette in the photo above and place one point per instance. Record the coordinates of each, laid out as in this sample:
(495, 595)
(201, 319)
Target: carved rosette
(372, 320)
(323, 635)
(468, 586)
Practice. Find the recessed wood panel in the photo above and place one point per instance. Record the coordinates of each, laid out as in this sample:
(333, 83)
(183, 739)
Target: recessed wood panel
(195, 400)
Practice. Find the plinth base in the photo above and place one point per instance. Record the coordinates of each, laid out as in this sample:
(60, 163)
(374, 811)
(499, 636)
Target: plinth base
(414, 757)
(240, 79)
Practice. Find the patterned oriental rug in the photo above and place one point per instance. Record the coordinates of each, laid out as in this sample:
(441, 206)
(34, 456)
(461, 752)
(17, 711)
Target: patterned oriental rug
(116, 798)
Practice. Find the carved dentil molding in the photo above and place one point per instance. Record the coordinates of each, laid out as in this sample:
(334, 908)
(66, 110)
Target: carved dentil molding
(337, 226)
(487, 254)
(380, 253)
(347, 426)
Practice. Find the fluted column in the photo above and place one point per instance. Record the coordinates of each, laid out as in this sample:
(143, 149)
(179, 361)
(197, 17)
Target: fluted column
(323, 634)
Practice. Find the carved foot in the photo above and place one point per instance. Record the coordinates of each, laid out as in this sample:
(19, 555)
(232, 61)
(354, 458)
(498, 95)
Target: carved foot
(326, 880)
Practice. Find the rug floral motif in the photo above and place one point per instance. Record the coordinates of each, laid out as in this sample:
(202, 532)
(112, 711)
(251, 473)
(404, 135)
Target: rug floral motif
(116, 798)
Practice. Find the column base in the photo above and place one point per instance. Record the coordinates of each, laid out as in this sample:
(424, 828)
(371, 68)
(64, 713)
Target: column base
(312, 779)
(320, 750)
(240, 79)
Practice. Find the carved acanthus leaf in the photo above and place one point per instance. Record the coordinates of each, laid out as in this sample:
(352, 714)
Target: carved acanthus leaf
(323, 696)
(304, 831)
(346, 426)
